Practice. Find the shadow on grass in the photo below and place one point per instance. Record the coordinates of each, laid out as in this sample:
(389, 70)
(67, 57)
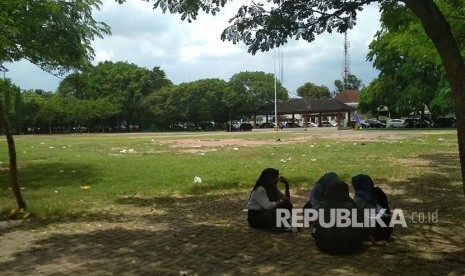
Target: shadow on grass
(201, 188)
(209, 235)
(37, 176)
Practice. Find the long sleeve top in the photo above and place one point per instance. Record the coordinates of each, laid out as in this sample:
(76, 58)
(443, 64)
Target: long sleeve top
(259, 200)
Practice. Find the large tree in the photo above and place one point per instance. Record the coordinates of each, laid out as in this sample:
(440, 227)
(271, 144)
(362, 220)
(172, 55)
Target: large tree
(349, 82)
(123, 84)
(263, 25)
(255, 90)
(55, 35)
(410, 71)
(314, 92)
(205, 98)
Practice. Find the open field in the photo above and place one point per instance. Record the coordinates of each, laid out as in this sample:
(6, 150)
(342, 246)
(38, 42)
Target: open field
(52, 169)
(144, 215)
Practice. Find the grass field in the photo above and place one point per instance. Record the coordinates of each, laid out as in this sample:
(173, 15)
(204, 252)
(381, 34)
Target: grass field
(54, 169)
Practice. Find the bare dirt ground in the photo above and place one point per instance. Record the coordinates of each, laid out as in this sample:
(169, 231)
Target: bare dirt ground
(298, 136)
(209, 235)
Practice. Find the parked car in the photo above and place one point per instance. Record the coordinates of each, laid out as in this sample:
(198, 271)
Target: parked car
(416, 123)
(449, 121)
(79, 129)
(328, 124)
(291, 124)
(395, 123)
(245, 127)
(266, 125)
(207, 126)
(232, 127)
(373, 123)
(191, 127)
(423, 123)
(362, 124)
(310, 124)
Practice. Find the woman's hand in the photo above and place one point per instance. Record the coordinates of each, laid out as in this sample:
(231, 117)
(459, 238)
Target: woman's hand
(281, 202)
(286, 184)
(283, 180)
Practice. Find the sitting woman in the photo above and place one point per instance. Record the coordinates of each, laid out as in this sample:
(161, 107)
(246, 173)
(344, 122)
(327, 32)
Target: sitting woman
(337, 239)
(367, 196)
(319, 189)
(265, 198)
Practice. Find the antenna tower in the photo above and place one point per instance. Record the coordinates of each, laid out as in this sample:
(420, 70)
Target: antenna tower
(346, 69)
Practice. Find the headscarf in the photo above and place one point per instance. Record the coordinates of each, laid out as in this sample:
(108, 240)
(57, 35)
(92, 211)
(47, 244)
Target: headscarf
(319, 189)
(336, 191)
(266, 180)
(364, 188)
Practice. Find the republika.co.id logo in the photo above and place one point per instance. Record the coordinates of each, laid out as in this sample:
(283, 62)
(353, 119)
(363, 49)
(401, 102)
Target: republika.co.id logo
(349, 218)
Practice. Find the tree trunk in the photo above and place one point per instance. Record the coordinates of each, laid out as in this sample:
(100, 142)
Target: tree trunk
(12, 153)
(439, 31)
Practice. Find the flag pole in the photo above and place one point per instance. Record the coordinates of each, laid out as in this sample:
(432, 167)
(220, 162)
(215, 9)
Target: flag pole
(276, 127)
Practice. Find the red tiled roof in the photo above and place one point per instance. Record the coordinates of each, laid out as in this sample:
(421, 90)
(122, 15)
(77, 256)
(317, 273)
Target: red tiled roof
(348, 96)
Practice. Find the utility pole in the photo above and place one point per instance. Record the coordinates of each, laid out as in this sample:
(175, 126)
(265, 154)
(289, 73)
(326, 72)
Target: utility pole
(4, 70)
(276, 127)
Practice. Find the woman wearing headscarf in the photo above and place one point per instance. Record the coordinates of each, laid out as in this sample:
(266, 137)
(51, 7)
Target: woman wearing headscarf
(265, 198)
(336, 239)
(320, 188)
(367, 196)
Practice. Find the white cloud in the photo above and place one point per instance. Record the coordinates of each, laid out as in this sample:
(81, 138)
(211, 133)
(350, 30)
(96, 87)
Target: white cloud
(192, 51)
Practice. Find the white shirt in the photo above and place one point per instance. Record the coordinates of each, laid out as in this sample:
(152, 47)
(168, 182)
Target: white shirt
(259, 200)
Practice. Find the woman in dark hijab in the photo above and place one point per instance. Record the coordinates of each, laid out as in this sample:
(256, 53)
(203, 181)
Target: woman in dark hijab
(320, 188)
(367, 196)
(337, 239)
(265, 198)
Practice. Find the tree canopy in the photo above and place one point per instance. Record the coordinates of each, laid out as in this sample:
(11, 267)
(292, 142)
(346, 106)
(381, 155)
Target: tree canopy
(112, 96)
(123, 85)
(314, 92)
(255, 90)
(349, 82)
(54, 35)
(411, 73)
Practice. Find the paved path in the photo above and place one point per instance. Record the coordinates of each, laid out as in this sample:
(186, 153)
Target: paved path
(209, 236)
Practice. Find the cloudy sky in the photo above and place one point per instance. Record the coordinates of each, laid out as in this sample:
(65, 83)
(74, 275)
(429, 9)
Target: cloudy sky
(193, 51)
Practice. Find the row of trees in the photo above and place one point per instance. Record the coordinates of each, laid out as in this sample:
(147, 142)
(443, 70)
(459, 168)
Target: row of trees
(121, 96)
(116, 96)
(313, 91)
(113, 97)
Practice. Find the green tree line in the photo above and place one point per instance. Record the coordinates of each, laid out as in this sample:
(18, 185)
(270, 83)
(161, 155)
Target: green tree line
(119, 96)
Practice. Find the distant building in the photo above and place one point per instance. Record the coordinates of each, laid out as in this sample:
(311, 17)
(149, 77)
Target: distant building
(349, 97)
(315, 111)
